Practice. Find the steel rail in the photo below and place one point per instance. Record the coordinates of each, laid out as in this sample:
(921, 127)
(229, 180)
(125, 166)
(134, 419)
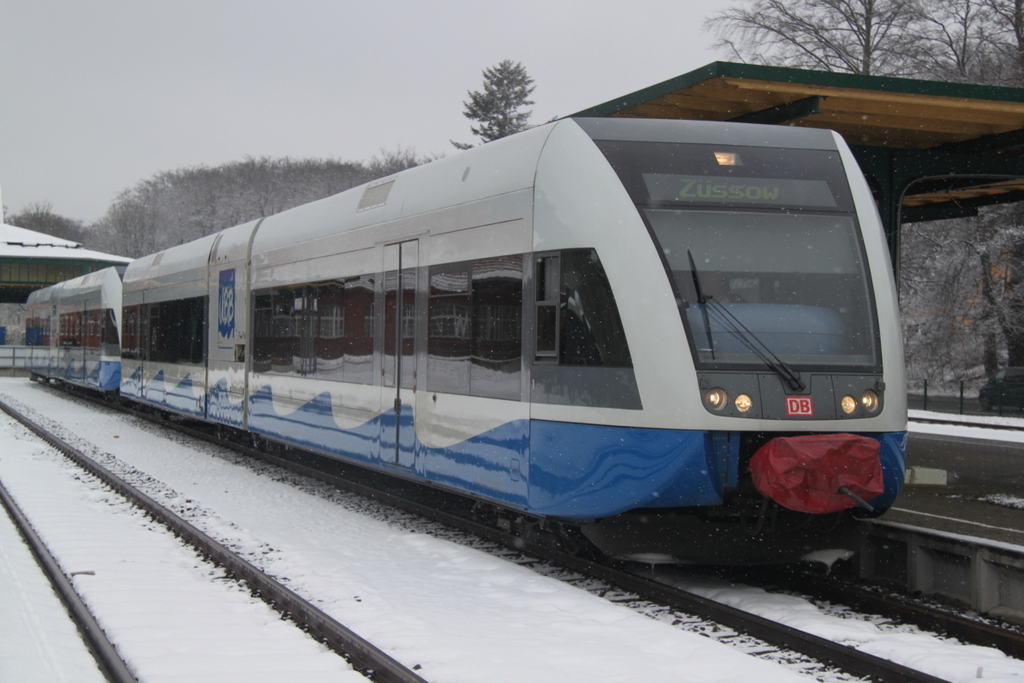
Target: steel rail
(362, 654)
(102, 650)
(858, 597)
(953, 422)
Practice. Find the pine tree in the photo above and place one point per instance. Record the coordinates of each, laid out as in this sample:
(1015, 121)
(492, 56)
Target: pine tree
(507, 88)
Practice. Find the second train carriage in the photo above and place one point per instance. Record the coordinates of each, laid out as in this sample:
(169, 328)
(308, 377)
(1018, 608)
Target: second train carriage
(74, 328)
(597, 321)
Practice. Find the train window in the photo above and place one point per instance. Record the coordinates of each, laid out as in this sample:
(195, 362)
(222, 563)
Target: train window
(547, 279)
(497, 295)
(474, 337)
(262, 339)
(130, 333)
(93, 320)
(577, 320)
(175, 331)
(322, 329)
(330, 332)
(358, 326)
(449, 343)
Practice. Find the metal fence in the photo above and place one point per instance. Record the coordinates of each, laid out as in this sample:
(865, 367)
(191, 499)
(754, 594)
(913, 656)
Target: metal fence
(15, 357)
(961, 397)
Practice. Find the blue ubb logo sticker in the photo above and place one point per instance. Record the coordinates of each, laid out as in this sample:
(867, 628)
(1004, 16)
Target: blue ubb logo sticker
(226, 315)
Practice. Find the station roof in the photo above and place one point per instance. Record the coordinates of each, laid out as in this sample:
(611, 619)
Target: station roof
(30, 260)
(903, 131)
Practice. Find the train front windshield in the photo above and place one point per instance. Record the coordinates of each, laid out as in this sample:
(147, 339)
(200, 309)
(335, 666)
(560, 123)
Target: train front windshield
(763, 248)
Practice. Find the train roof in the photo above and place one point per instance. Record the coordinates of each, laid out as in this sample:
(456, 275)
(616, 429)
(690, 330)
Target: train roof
(82, 285)
(171, 264)
(497, 168)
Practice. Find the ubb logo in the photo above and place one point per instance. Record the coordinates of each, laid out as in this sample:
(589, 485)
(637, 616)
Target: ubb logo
(799, 406)
(226, 314)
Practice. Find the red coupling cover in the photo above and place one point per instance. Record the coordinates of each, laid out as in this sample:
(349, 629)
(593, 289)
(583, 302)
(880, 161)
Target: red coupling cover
(804, 473)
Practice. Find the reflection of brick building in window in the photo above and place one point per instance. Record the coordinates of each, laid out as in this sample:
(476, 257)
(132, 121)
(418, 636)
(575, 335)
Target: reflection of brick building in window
(449, 321)
(474, 334)
(332, 321)
(322, 329)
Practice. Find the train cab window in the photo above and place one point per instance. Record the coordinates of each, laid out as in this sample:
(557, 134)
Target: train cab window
(581, 357)
(577, 320)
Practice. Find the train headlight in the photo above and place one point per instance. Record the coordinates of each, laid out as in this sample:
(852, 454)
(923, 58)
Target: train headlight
(848, 404)
(870, 401)
(716, 398)
(743, 403)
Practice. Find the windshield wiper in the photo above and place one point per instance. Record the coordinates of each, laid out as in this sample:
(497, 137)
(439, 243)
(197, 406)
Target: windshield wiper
(701, 299)
(789, 374)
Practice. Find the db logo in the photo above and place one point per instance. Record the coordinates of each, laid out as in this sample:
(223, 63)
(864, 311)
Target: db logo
(799, 406)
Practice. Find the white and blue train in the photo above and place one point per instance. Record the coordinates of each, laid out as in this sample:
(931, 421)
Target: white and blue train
(676, 340)
(73, 329)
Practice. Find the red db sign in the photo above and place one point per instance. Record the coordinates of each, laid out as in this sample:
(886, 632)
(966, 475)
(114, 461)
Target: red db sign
(799, 406)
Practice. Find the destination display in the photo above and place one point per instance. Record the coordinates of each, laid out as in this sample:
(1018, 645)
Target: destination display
(664, 187)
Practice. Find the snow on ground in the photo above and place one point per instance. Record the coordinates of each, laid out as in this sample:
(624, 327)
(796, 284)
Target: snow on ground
(461, 614)
(38, 640)
(165, 609)
(940, 657)
(1005, 500)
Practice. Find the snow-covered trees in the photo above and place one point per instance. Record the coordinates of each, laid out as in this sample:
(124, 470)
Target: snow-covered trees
(498, 108)
(174, 207)
(871, 37)
(39, 216)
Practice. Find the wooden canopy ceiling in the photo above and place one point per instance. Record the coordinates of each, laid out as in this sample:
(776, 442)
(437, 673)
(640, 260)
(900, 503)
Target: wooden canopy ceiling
(949, 145)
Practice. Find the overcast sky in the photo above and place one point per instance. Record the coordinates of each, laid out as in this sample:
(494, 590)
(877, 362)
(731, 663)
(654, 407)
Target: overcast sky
(99, 95)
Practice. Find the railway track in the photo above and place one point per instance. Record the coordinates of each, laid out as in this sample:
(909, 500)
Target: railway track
(958, 421)
(102, 650)
(361, 654)
(621, 581)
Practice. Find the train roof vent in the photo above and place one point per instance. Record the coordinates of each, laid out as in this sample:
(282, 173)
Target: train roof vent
(375, 195)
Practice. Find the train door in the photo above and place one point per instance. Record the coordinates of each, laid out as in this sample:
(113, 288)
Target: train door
(398, 437)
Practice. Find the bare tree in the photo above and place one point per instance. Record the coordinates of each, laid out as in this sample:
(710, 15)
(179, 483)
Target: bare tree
(871, 37)
(39, 216)
(1007, 18)
(958, 42)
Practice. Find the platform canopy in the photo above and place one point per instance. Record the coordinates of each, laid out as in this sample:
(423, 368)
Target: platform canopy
(929, 149)
(31, 260)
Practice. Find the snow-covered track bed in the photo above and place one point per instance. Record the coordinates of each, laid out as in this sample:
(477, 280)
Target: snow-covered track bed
(355, 556)
(754, 634)
(890, 603)
(1009, 423)
(363, 655)
(95, 640)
